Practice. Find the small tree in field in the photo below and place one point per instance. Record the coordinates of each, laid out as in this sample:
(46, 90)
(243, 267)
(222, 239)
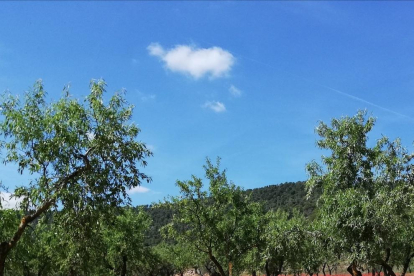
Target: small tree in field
(78, 153)
(217, 222)
(124, 240)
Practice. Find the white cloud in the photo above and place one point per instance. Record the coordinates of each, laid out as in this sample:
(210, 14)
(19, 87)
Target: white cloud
(215, 106)
(156, 49)
(9, 203)
(197, 62)
(234, 91)
(138, 190)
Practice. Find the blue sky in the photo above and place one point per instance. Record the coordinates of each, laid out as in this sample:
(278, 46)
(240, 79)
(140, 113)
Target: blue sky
(246, 81)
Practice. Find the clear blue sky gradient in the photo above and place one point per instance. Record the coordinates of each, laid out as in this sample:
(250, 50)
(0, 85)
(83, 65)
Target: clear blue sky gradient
(296, 63)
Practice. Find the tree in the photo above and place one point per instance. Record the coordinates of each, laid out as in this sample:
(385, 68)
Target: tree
(35, 254)
(79, 154)
(124, 239)
(217, 222)
(180, 256)
(253, 258)
(79, 243)
(365, 191)
(291, 243)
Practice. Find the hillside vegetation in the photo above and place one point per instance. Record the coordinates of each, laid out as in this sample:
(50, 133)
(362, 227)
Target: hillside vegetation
(286, 196)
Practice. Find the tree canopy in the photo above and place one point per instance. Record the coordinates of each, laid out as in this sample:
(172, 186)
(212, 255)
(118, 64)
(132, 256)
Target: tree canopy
(366, 192)
(81, 154)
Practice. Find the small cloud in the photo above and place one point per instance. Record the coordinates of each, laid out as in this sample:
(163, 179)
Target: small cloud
(8, 201)
(234, 91)
(217, 107)
(197, 62)
(138, 190)
(156, 49)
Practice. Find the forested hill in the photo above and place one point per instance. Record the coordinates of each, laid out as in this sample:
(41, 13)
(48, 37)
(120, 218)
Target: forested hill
(286, 196)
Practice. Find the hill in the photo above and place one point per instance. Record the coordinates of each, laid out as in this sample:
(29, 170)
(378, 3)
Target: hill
(286, 196)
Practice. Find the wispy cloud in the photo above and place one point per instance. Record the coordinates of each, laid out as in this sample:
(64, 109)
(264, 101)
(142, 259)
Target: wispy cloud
(197, 62)
(365, 101)
(8, 201)
(234, 91)
(337, 91)
(217, 107)
(148, 97)
(145, 97)
(138, 190)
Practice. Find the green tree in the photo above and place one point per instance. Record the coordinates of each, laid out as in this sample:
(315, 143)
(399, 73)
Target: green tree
(365, 191)
(77, 153)
(291, 243)
(253, 258)
(180, 256)
(35, 253)
(217, 221)
(124, 240)
(79, 244)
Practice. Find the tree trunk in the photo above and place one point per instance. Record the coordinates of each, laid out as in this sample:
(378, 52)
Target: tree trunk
(267, 268)
(323, 269)
(2, 264)
(124, 265)
(4, 249)
(407, 261)
(281, 262)
(352, 269)
(387, 269)
(384, 263)
(208, 269)
(254, 272)
(27, 271)
(216, 263)
(330, 269)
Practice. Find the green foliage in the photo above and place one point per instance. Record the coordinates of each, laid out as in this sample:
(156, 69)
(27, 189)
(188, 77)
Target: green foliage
(123, 239)
(284, 196)
(217, 221)
(83, 156)
(287, 197)
(84, 152)
(179, 256)
(365, 190)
